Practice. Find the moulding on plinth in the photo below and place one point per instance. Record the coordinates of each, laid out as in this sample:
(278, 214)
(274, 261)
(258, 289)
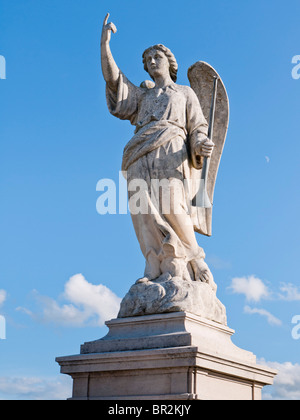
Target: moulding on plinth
(168, 356)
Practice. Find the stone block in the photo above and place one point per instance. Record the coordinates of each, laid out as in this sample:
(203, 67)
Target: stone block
(176, 356)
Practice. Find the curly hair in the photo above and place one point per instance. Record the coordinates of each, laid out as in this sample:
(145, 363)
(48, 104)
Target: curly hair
(170, 56)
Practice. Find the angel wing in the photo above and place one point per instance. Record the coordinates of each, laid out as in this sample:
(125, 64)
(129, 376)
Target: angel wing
(201, 76)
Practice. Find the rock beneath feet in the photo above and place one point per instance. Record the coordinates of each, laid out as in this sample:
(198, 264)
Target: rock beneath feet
(167, 294)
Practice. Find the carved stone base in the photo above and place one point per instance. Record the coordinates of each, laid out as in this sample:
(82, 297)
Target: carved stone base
(169, 356)
(173, 295)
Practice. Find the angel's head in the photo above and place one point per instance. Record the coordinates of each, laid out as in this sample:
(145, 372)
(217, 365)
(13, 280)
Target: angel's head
(159, 59)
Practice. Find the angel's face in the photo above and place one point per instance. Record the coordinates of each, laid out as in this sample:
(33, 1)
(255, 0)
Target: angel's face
(157, 63)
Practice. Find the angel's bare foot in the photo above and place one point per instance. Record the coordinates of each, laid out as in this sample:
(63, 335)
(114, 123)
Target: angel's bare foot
(203, 273)
(142, 280)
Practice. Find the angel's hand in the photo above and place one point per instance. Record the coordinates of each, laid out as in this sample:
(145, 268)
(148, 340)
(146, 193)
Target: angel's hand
(207, 148)
(204, 148)
(107, 29)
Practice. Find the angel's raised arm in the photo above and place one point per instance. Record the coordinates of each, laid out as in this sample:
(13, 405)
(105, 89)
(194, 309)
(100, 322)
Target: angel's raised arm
(110, 69)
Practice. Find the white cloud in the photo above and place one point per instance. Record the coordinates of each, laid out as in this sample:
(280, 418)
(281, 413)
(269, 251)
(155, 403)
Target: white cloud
(252, 287)
(33, 388)
(98, 300)
(286, 383)
(291, 292)
(3, 295)
(272, 320)
(88, 304)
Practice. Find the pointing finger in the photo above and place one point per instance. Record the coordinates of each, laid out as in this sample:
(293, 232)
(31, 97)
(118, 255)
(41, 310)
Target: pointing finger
(106, 19)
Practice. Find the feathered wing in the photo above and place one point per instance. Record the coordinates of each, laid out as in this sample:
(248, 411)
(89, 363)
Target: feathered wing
(201, 76)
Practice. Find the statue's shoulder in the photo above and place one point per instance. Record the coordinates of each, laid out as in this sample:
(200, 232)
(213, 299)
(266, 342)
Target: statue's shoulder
(186, 91)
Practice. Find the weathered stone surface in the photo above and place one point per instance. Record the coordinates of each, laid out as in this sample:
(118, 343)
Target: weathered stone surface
(167, 357)
(173, 295)
(164, 160)
(177, 329)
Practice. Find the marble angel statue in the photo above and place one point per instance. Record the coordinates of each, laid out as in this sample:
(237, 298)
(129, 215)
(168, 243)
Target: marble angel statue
(170, 143)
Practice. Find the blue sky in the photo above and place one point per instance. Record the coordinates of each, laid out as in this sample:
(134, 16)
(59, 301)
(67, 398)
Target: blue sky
(57, 140)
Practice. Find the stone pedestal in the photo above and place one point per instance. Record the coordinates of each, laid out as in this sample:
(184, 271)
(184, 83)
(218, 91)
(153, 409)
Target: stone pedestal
(175, 356)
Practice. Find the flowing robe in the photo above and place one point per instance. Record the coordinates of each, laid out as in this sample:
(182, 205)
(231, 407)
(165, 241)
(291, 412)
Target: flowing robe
(169, 123)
